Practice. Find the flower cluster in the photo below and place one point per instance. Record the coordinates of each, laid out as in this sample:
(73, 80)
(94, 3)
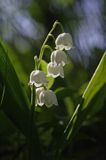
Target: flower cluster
(58, 60)
(43, 94)
(59, 57)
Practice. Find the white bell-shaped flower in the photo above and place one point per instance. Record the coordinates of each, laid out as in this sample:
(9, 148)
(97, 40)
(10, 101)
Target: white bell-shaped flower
(55, 70)
(49, 98)
(38, 78)
(64, 41)
(39, 100)
(46, 97)
(59, 57)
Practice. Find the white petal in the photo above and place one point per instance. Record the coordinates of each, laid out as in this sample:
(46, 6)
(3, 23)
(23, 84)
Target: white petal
(38, 78)
(49, 98)
(59, 57)
(52, 70)
(55, 70)
(39, 99)
(46, 97)
(64, 41)
(61, 71)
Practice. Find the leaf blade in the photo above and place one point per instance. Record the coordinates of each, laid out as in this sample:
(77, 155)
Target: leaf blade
(18, 110)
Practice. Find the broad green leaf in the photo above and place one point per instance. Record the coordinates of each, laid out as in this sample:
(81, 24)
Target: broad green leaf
(96, 83)
(16, 105)
(91, 102)
(96, 103)
(17, 65)
(9, 77)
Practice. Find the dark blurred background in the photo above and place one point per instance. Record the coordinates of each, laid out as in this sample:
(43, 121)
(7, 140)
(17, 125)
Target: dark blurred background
(24, 25)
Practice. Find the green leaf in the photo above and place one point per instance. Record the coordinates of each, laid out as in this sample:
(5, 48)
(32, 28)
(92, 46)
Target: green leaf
(16, 105)
(96, 103)
(96, 83)
(17, 65)
(92, 100)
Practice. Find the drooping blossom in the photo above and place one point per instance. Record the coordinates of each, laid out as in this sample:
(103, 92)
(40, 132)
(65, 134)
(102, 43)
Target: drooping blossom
(38, 78)
(45, 96)
(64, 41)
(55, 70)
(59, 57)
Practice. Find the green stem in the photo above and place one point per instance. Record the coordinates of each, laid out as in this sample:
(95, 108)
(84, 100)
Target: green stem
(48, 47)
(62, 29)
(49, 35)
(33, 140)
(75, 116)
(36, 62)
(31, 122)
(32, 99)
(52, 36)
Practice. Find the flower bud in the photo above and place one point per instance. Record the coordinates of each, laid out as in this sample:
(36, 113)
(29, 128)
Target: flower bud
(64, 41)
(55, 70)
(59, 57)
(38, 78)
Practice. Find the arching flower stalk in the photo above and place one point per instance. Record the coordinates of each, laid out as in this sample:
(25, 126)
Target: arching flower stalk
(58, 59)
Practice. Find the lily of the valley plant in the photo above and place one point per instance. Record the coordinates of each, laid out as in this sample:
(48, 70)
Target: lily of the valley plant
(58, 59)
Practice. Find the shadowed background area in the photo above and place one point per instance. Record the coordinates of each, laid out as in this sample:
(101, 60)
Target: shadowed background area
(23, 24)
